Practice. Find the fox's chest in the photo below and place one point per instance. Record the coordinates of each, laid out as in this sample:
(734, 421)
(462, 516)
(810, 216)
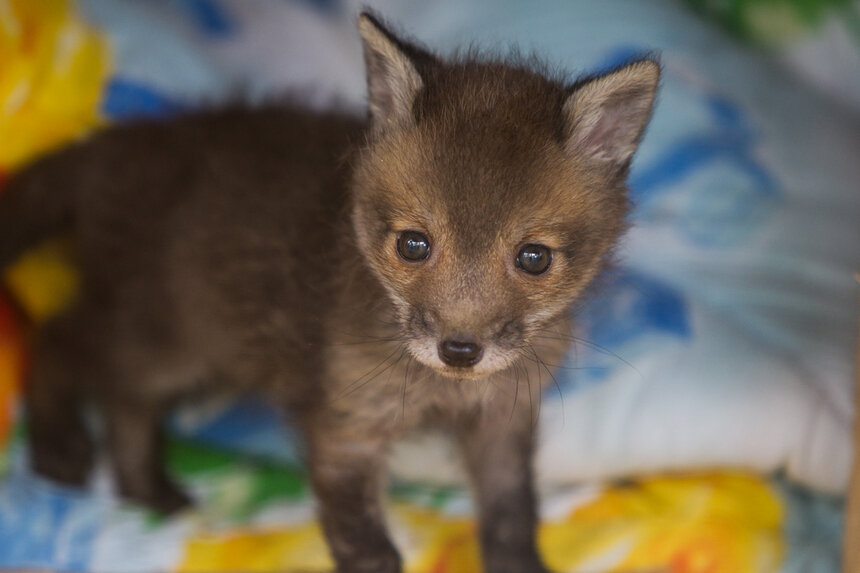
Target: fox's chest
(383, 389)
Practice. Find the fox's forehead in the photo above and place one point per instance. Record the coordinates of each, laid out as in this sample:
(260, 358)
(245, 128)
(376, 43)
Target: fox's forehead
(511, 93)
(479, 186)
(483, 161)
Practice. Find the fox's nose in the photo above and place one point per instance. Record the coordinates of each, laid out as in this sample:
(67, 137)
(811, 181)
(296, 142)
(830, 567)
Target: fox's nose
(460, 353)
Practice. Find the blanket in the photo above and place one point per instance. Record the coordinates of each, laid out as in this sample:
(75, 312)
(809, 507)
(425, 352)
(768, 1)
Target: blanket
(725, 340)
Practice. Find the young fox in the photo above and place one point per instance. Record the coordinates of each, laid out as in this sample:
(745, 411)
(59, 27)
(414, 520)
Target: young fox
(373, 277)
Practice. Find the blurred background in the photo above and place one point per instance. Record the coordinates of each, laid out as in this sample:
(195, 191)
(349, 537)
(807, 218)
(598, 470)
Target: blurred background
(703, 424)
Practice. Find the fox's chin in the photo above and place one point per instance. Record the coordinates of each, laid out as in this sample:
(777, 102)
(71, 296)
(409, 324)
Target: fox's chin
(461, 373)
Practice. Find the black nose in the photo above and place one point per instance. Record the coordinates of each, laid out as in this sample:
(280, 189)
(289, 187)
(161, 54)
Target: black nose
(459, 353)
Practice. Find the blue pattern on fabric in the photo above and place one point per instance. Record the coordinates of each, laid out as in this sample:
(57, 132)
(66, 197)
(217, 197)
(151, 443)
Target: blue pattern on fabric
(324, 5)
(632, 307)
(126, 99)
(251, 426)
(635, 304)
(724, 210)
(44, 526)
(211, 17)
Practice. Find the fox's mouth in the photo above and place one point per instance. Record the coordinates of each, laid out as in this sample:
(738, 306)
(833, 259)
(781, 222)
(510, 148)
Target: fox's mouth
(459, 359)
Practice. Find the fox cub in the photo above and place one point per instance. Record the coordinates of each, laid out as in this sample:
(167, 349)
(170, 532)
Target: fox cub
(373, 277)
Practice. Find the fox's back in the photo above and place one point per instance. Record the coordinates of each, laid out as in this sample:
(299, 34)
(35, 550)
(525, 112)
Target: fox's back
(216, 235)
(231, 179)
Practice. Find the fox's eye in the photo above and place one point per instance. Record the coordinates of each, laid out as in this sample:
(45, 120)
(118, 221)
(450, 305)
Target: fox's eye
(413, 246)
(534, 259)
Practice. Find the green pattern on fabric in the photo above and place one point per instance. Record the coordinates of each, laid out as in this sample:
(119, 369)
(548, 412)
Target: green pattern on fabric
(239, 485)
(435, 497)
(772, 22)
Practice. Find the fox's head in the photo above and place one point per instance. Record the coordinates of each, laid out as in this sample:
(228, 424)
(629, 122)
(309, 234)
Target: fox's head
(489, 195)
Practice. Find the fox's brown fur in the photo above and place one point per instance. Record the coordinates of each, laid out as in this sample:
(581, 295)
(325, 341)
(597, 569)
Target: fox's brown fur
(257, 250)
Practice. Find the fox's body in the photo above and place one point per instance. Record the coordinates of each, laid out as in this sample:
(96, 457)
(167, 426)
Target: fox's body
(371, 277)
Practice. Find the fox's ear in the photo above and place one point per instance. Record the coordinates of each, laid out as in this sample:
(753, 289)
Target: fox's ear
(392, 78)
(607, 114)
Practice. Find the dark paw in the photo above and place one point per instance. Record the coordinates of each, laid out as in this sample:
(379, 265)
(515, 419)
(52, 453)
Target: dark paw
(515, 566)
(171, 501)
(166, 499)
(67, 460)
(518, 568)
(384, 562)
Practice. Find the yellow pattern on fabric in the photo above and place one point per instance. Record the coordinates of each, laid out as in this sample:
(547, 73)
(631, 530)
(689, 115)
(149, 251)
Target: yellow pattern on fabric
(712, 523)
(53, 73)
(54, 69)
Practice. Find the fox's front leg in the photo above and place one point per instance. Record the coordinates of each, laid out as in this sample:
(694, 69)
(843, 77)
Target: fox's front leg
(347, 473)
(498, 454)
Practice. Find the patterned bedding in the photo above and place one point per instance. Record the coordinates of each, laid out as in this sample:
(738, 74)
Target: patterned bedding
(723, 342)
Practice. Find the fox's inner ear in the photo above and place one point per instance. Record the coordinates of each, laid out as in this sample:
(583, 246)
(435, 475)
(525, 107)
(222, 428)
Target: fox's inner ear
(392, 79)
(608, 114)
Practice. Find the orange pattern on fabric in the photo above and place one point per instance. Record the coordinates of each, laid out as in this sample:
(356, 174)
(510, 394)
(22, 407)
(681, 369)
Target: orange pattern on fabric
(11, 367)
(53, 69)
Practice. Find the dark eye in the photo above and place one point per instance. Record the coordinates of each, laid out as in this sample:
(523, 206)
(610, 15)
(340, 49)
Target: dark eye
(413, 246)
(534, 259)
